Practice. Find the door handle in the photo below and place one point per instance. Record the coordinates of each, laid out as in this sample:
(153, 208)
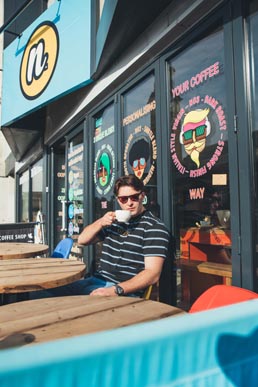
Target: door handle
(64, 215)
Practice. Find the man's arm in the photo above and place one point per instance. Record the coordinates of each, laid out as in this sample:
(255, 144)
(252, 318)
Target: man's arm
(90, 233)
(149, 276)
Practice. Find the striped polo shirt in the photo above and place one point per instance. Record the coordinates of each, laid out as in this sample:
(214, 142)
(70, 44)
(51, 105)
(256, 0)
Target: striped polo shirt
(127, 244)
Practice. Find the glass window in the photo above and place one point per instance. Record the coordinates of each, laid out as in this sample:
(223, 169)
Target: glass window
(59, 193)
(199, 161)
(36, 187)
(104, 170)
(24, 197)
(139, 138)
(253, 38)
(75, 185)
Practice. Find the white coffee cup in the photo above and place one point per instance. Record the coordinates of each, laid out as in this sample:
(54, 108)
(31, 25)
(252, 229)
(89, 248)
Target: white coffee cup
(123, 215)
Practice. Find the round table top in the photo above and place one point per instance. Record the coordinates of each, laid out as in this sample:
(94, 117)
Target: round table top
(31, 274)
(17, 250)
(37, 321)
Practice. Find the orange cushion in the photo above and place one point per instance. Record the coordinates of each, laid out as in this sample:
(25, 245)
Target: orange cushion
(220, 295)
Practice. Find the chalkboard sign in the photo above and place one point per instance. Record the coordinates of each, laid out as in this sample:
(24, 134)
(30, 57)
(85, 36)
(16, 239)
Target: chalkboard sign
(17, 232)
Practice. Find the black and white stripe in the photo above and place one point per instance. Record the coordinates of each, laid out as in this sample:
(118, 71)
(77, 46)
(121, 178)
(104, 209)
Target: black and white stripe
(127, 244)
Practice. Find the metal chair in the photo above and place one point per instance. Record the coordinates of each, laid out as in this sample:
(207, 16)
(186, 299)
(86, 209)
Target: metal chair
(63, 248)
(221, 295)
(147, 293)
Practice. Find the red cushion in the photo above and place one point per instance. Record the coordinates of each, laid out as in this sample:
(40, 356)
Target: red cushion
(220, 295)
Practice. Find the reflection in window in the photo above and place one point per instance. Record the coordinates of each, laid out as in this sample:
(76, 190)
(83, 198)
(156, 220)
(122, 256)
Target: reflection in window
(104, 160)
(139, 137)
(199, 158)
(75, 185)
(24, 197)
(59, 191)
(36, 186)
(104, 167)
(253, 38)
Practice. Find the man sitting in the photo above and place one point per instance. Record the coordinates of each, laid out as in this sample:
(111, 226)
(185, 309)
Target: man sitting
(133, 252)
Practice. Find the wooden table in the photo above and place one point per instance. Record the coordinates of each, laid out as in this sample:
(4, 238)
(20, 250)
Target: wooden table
(15, 250)
(31, 274)
(49, 319)
(205, 260)
(213, 268)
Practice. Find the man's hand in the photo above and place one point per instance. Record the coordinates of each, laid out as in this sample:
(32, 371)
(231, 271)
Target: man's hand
(90, 233)
(110, 291)
(108, 218)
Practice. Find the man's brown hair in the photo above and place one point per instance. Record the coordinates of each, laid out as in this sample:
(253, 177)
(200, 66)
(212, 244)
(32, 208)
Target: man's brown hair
(128, 181)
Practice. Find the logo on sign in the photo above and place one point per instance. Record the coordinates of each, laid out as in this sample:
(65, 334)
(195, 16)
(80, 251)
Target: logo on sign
(39, 60)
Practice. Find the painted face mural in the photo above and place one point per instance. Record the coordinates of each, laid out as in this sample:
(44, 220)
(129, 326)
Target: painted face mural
(191, 129)
(138, 157)
(195, 128)
(140, 153)
(103, 171)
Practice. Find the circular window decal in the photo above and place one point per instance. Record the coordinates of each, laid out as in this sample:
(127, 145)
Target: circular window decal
(71, 211)
(104, 169)
(70, 177)
(140, 153)
(190, 133)
(70, 228)
(71, 194)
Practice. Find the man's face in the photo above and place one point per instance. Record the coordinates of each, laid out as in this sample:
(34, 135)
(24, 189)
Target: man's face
(130, 199)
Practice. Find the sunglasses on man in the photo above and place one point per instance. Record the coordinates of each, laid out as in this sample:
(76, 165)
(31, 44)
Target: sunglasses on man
(133, 198)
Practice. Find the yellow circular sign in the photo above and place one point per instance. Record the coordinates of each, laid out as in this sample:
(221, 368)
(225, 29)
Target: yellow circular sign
(39, 60)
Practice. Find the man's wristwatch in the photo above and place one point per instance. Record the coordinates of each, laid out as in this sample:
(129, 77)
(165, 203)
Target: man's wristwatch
(119, 290)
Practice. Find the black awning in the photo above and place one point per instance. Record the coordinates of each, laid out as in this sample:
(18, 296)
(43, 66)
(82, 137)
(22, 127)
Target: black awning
(25, 133)
(119, 29)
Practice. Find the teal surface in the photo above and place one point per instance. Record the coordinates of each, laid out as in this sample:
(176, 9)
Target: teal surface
(217, 348)
(72, 20)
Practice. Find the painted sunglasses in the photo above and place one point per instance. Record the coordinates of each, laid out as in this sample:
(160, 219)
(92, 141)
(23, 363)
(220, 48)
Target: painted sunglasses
(199, 133)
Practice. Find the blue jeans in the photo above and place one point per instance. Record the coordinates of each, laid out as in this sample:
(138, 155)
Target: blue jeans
(81, 287)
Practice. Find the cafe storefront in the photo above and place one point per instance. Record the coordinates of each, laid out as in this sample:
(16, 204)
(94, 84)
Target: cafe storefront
(177, 108)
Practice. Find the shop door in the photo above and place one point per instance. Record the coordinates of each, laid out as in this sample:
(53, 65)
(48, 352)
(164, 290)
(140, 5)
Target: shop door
(57, 181)
(104, 170)
(74, 192)
(202, 170)
(68, 188)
